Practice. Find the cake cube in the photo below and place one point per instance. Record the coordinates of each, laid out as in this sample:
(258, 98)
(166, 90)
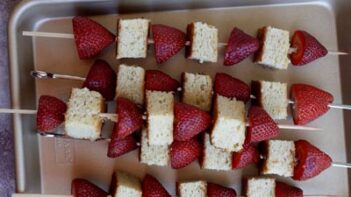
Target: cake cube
(272, 97)
(279, 158)
(203, 42)
(260, 187)
(125, 184)
(130, 83)
(159, 106)
(153, 154)
(229, 128)
(215, 158)
(274, 48)
(197, 90)
(132, 38)
(82, 118)
(192, 189)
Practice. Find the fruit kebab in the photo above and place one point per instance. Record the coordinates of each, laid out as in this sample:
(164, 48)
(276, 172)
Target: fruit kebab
(52, 112)
(132, 186)
(297, 159)
(91, 38)
(157, 82)
(308, 102)
(178, 148)
(158, 88)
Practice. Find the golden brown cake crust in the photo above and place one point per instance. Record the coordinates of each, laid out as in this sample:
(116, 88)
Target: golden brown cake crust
(190, 35)
(261, 36)
(256, 91)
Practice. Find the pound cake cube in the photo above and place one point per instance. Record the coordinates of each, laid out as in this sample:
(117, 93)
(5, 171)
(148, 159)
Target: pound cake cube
(132, 38)
(125, 184)
(159, 106)
(229, 128)
(279, 158)
(215, 158)
(274, 48)
(197, 90)
(203, 42)
(272, 97)
(82, 118)
(260, 187)
(153, 154)
(130, 83)
(192, 189)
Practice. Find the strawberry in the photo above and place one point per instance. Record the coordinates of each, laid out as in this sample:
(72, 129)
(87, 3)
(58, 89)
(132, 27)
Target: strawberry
(153, 188)
(214, 190)
(130, 118)
(239, 47)
(102, 78)
(310, 161)
(159, 81)
(90, 37)
(310, 103)
(184, 152)
(285, 190)
(50, 113)
(118, 147)
(168, 41)
(84, 188)
(249, 155)
(189, 121)
(228, 86)
(261, 125)
(307, 48)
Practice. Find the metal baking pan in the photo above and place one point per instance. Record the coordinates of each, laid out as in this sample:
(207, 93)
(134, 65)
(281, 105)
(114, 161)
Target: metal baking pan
(48, 165)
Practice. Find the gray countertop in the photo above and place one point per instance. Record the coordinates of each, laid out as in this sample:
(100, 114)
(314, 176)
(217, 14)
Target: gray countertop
(7, 159)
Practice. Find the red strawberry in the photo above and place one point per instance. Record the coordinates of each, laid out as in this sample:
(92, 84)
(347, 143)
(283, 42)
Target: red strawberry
(307, 48)
(90, 37)
(168, 41)
(189, 121)
(228, 86)
(239, 47)
(310, 160)
(118, 147)
(130, 118)
(285, 190)
(84, 188)
(50, 113)
(153, 188)
(249, 155)
(214, 190)
(310, 103)
(159, 81)
(102, 78)
(261, 126)
(183, 153)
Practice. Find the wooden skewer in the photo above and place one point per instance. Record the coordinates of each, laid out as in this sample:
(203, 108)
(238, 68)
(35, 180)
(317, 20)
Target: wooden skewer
(50, 195)
(48, 34)
(293, 50)
(335, 106)
(109, 116)
(150, 41)
(334, 164)
(47, 75)
(341, 165)
(114, 118)
(337, 53)
(43, 195)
